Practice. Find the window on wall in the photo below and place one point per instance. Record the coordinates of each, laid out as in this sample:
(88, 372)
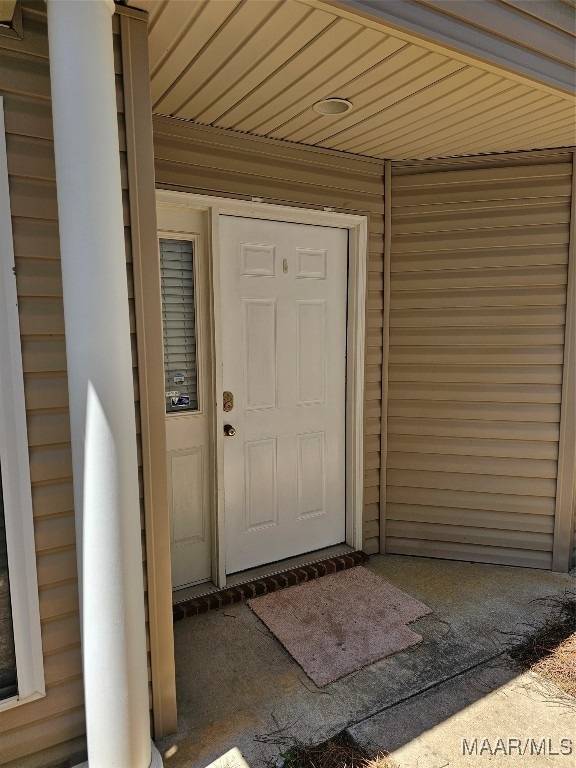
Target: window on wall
(179, 324)
(8, 677)
(21, 662)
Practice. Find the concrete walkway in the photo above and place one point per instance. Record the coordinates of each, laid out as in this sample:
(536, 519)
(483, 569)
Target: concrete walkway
(239, 688)
(489, 716)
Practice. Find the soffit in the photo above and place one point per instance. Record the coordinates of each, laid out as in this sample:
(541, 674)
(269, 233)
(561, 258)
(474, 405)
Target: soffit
(258, 66)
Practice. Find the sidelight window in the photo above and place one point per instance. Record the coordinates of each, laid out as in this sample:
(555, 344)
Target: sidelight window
(179, 323)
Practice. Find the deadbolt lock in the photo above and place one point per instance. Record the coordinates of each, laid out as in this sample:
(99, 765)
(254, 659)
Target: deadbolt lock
(228, 398)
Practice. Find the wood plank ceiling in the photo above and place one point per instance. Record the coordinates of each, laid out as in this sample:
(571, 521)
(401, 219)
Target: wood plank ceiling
(258, 66)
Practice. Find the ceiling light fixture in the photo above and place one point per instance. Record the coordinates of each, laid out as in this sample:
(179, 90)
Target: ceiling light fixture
(332, 106)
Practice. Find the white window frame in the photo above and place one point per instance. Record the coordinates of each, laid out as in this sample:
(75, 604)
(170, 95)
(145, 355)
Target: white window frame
(15, 467)
(198, 325)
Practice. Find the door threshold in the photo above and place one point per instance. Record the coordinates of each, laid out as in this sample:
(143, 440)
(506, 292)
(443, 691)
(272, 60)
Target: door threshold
(260, 572)
(264, 579)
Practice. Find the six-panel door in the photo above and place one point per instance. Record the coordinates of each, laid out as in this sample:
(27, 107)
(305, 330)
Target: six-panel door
(283, 310)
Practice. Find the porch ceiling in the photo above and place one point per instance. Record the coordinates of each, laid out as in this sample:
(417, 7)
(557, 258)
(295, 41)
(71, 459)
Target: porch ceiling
(258, 66)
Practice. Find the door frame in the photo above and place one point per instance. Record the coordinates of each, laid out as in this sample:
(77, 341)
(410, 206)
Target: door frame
(357, 226)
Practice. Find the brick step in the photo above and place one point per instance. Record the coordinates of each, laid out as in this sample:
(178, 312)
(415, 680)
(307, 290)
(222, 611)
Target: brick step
(288, 578)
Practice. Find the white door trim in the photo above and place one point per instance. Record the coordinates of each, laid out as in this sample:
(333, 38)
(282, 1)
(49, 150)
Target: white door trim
(357, 227)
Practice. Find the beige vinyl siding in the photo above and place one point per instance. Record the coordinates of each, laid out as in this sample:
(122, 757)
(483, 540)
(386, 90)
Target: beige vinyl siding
(25, 85)
(574, 535)
(211, 161)
(574, 539)
(477, 310)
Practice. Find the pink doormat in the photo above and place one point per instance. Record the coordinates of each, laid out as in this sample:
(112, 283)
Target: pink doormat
(340, 623)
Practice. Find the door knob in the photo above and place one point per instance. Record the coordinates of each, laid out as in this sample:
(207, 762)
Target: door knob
(229, 430)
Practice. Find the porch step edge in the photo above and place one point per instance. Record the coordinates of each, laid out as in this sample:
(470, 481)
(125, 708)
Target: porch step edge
(263, 586)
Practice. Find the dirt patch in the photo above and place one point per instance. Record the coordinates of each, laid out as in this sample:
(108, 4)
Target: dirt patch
(339, 752)
(550, 650)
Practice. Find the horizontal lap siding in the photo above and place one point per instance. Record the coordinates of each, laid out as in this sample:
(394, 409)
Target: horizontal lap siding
(25, 86)
(197, 159)
(477, 312)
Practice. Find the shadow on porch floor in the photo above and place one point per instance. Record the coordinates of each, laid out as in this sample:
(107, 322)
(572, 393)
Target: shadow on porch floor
(238, 687)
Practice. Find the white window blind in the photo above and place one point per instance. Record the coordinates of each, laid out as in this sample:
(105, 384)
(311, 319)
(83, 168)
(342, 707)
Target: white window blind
(179, 320)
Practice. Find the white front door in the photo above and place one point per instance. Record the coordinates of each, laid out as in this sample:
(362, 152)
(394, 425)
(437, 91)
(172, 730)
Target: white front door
(283, 309)
(189, 402)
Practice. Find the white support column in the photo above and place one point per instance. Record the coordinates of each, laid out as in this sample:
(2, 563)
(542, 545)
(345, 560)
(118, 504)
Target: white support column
(100, 384)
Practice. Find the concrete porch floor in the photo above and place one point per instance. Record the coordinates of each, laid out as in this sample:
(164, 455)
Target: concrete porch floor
(238, 687)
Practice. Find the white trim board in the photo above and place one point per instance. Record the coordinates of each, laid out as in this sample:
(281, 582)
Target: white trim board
(564, 511)
(503, 37)
(357, 227)
(15, 466)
